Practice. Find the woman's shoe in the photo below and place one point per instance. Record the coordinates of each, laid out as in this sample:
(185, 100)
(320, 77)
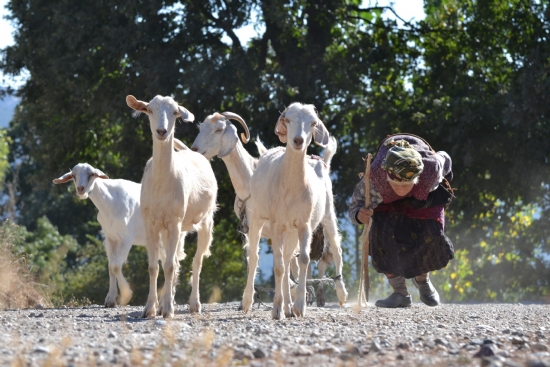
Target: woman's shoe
(428, 293)
(395, 300)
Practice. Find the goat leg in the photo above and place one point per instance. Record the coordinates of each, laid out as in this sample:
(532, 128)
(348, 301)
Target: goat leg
(253, 247)
(304, 235)
(153, 243)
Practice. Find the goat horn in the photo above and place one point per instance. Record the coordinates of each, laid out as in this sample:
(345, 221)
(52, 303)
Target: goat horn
(234, 116)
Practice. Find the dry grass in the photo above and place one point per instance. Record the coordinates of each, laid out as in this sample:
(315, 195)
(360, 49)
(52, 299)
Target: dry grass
(18, 288)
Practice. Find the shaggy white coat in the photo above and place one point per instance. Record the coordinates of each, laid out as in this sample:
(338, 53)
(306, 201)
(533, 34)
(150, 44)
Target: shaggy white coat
(218, 137)
(119, 215)
(178, 195)
(289, 194)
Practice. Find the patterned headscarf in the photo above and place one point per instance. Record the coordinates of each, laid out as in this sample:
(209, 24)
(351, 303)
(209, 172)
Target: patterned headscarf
(402, 163)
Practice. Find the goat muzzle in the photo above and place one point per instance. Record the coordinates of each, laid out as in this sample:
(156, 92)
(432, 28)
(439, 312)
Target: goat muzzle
(298, 141)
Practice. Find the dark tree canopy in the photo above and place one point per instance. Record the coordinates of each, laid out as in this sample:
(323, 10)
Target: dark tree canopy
(471, 78)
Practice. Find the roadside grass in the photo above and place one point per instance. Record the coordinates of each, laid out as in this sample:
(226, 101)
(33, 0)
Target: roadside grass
(18, 288)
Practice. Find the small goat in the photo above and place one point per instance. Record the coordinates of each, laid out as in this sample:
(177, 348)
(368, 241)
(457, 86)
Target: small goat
(178, 195)
(119, 214)
(294, 198)
(218, 137)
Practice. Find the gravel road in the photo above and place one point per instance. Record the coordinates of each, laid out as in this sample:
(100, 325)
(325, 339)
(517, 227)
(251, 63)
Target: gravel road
(448, 335)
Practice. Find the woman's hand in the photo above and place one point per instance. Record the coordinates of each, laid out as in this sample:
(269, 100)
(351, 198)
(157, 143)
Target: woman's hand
(364, 215)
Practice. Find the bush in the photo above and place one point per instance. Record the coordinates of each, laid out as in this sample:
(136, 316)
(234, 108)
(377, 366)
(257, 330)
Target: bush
(18, 287)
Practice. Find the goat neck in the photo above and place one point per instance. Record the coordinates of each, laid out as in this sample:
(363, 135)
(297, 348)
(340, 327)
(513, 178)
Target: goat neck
(240, 165)
(294, 166)
(163, 155)
(100, 196)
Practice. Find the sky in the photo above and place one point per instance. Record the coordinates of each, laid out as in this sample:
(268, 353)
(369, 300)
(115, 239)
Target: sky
(407, 9)
(5, 27)
(7, 105)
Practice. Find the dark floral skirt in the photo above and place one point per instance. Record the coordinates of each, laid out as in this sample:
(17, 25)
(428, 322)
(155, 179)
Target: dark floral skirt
(406, 246)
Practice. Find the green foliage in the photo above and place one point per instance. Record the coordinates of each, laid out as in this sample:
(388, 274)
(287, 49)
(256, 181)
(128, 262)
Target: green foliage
(48, 251)
(477, 104)
(229, 276)
(18, 286)
(4, 150)
(471, 78)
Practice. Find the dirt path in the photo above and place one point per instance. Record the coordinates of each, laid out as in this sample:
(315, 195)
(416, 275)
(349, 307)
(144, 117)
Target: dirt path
(448, 335)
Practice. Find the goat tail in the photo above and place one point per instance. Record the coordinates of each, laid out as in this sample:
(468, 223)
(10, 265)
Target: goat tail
(330, 150)
(180, 254)
(261, 147)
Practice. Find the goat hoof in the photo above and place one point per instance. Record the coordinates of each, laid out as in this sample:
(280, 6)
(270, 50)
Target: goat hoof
(246, 303)
(288, 310)
(299, 308)
(277, 313)
(149, 312)
(341, 292)
(194, 306)
(320, 296)
(110, 301)
(168, 314)
(125, 296)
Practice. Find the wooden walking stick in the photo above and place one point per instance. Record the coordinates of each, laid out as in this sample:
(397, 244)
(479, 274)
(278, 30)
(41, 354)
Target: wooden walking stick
(364, 278)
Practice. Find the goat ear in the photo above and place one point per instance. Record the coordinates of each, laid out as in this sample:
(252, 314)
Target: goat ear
(280, 128)
(186, 115)
(321, 134)
(136, 105)
(66, 177)
(229, 140)
(100, 174)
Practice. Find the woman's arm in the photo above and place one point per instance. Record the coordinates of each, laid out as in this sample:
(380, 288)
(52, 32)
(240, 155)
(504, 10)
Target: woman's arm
(358, 200)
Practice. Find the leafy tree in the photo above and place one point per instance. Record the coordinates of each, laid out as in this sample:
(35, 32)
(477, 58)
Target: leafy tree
(472, 99)
(471, 78)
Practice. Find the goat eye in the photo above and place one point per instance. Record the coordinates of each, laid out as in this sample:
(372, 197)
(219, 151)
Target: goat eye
(149, 111)
(175, 113)
(218, 131)
(313, 124)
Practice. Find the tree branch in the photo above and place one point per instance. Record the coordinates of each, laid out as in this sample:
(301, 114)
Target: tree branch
(262, 57)
(368, 10)
(220, 24)
(412, 29)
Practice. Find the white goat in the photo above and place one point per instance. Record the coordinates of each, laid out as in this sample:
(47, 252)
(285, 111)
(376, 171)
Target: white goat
(294, 198)
(119, 215)
(178, 195)
(218, 136)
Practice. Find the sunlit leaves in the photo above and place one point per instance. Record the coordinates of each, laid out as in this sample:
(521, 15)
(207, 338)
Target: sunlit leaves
(472, 78)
